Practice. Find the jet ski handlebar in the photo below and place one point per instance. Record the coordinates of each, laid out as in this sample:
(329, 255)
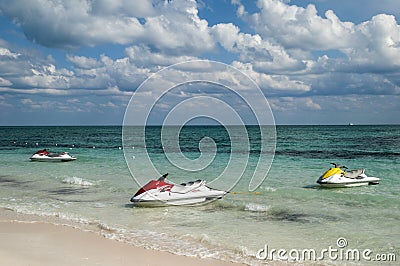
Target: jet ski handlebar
(163, 177)
(339, 166)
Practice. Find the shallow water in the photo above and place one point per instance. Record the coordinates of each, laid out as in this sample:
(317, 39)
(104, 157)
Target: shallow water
(288, 211)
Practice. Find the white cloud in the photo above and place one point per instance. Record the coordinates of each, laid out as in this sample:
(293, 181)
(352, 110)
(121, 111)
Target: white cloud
(142, 56)
(5, 82)
(166, 26)
(312, 105)
(178, 27)
(286, 36)
(108, 104)
(7, 53)
(287, 53)
(73, 100)
(298, 27)
(377, 44)
(143, 8)
(30, 74)
(26, 101)
(263, 55)
(83, 61)
(370, 46)
(274, 84)
(338, 109)
(69, 23)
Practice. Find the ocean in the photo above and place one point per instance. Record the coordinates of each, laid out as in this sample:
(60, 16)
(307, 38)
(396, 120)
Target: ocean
(287, 212)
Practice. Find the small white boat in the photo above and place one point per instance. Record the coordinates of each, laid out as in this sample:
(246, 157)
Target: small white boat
(337, 177)
(160, 193)
(45, 156)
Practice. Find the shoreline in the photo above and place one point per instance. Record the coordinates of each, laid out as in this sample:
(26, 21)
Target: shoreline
(33, 240)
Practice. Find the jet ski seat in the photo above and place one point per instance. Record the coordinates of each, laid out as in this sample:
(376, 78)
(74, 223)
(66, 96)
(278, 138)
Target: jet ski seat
(191, 183)
(354, 173)
(186, 187)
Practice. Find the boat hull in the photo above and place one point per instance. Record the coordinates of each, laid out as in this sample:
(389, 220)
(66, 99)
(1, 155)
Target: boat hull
(344, 185)
(175, 202)
(45, 158)
(155, 198)
(339, 181)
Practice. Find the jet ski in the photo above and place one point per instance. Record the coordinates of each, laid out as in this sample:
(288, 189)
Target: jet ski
(338, 176)
(160, 193)
(45, 156)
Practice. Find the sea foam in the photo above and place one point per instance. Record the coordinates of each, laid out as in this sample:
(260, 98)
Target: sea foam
(77, 181)
(254, 207)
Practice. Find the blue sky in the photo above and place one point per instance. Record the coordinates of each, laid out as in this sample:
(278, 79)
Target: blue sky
(78, 62)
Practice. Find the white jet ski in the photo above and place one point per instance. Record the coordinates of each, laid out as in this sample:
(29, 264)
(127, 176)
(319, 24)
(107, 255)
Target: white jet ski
(45, 156)
(338, 176)
(160, 193)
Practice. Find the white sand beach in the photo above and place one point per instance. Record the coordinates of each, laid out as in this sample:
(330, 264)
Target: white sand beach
(31, 240)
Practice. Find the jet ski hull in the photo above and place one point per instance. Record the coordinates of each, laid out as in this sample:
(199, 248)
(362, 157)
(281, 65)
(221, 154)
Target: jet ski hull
(174, 201)
(46, 158)
(339, 181)
(160, 193)
(348, 184)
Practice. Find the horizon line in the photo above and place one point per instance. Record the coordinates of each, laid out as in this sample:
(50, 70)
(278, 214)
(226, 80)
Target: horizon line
(175, 125)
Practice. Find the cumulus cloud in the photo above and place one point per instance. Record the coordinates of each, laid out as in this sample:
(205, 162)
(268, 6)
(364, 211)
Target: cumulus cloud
(264, 55)
(4, 52)
(83, 62)
(288, 36)
(369, 46)
(274, 84)
(167, 26)
(298, 27)
(29, 74)
(377, 44)
(178, 29)
(288, 51)
(69, 24)
(27, 71)
(143, 56)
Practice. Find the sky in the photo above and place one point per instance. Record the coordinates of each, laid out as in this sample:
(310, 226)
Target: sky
(79, 62)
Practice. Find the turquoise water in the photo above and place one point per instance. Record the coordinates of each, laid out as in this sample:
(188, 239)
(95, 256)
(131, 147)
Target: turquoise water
(288, 211)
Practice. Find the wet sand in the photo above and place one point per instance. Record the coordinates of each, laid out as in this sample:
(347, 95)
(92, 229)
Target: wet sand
(31, 240)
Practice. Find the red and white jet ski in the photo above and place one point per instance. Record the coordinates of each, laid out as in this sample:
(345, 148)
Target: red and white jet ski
(45, 156)
(160, 193)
